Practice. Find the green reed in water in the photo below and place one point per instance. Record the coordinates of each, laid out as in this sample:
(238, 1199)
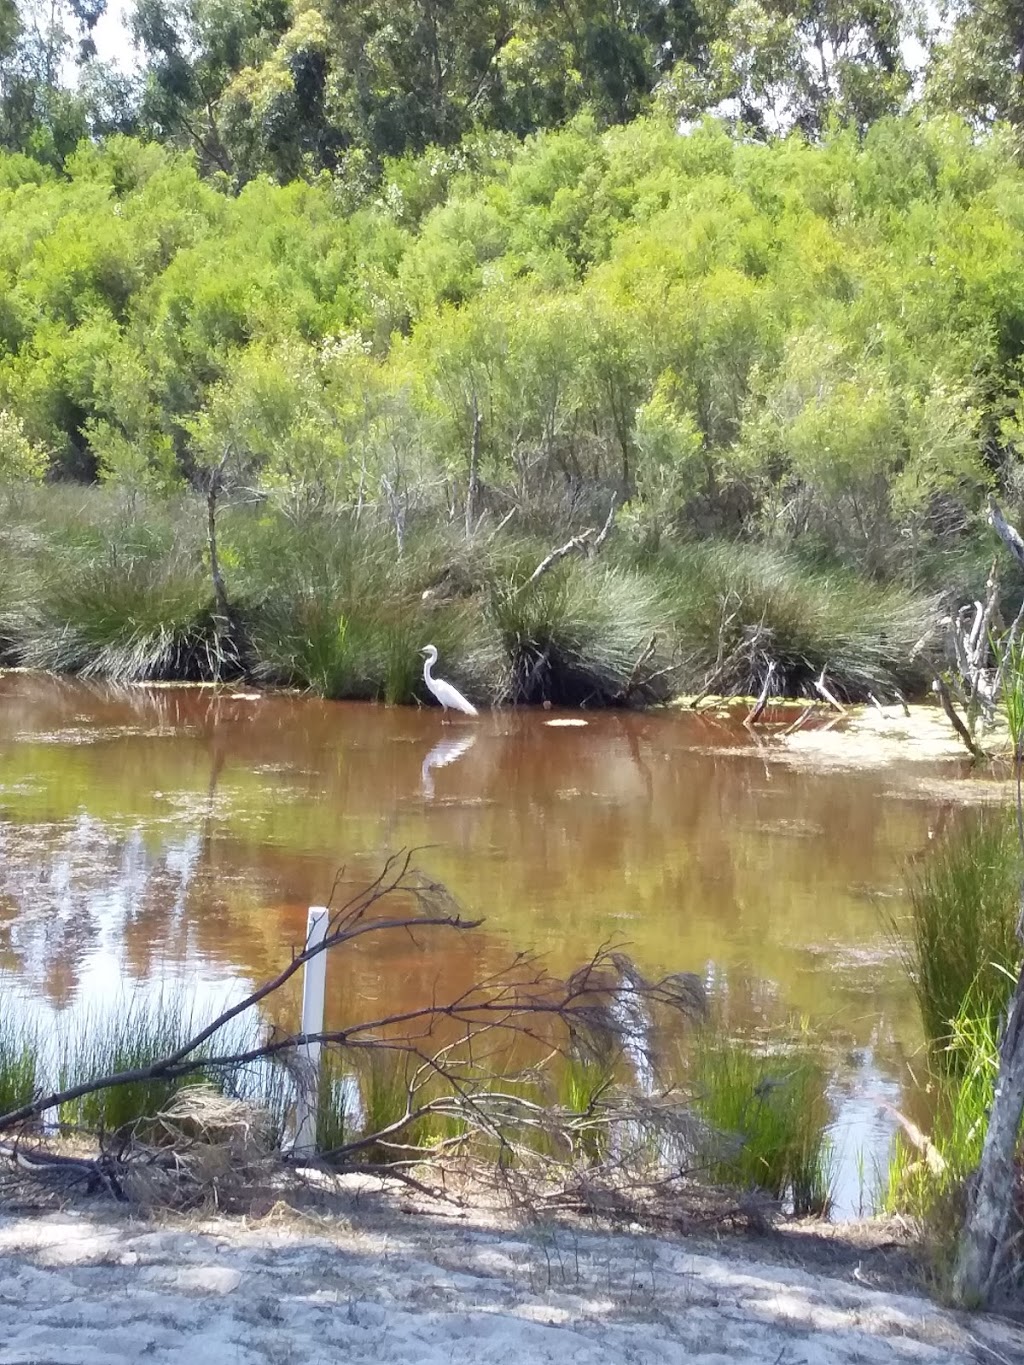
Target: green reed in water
(128, 1040)
(927, 1175)
(768, 1116)
(19, 1064)
(333, 1121)
(962, 945)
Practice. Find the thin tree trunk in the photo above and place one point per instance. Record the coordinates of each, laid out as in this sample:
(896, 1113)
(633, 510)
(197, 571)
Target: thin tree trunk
(984, 1242)
(222, 613)
(473, 488)
(220, 595)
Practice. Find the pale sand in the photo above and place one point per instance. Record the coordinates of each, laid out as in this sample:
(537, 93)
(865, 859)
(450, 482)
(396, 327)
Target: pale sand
(78, 1288)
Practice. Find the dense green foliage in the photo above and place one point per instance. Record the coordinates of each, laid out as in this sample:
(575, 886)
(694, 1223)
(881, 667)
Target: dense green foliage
(777, 340)
(378, 281)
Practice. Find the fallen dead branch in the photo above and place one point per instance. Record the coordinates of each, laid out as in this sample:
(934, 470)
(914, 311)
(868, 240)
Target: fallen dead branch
(453, 1095)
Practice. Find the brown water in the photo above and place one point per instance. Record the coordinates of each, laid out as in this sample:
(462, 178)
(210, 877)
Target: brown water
(150, 835)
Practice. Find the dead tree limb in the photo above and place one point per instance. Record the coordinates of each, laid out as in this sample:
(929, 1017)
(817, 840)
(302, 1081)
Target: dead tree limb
(556, 556)
(946, 701)
(606, 529)
(1008, 534)
(823, 690)
(757, 710)
(581, 543)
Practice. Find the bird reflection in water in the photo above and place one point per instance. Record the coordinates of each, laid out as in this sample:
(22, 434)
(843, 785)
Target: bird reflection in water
(443, 753)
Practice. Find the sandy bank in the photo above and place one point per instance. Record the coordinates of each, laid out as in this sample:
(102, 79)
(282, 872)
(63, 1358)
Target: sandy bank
(91, 1288)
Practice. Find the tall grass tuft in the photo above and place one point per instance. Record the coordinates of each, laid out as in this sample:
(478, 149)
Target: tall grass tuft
(928, 1180)
(582, 1085)
(19, 1065)
(583, 634)
(384, 1091)
(962, 949)
(768, 1115)
(123, 611)
(333, 1120)
(128, 1040)
(739, 608)
(333, 609)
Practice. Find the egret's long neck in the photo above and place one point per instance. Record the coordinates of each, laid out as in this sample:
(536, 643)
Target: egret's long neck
(427, 666)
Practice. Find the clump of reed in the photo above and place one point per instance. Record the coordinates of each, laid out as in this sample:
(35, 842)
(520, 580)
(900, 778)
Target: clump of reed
(927, 1174)
(583, 634)
(582, 1085)
(739, 608)
(767, 1116)
(388, 1093)
(337, 611)
(962, 950)
(334, 1103)
(19, 1064)
(127, 1040)
(111, 590)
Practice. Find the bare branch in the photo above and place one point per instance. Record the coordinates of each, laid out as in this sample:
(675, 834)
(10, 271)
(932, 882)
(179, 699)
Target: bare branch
(1008, 534)
(549, 562)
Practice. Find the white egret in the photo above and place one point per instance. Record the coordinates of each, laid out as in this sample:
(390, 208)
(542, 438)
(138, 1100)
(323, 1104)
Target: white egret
(447, 695)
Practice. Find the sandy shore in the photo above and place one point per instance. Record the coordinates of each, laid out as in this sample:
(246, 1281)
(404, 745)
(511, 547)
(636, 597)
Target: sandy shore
(84, 1287)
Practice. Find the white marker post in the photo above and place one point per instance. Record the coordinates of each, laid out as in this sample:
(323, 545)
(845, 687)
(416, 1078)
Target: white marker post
(314, 977)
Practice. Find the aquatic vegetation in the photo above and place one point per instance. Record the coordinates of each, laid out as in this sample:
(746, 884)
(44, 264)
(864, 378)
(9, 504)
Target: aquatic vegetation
(112, 590)
(767, 1114)
(128, 1039)
(333, 1111)
(961, 951)
(927, 1173)
(19, 1063)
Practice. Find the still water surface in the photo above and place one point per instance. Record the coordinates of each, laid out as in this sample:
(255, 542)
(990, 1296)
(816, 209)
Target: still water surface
(155, 835)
